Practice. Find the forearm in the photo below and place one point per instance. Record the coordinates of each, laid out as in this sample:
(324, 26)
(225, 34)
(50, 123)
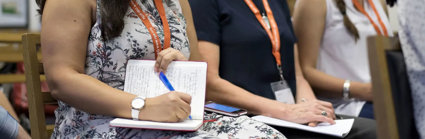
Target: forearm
(304, 90)
(224, 92)
(90, 95)
(325, 85)
(330, 86)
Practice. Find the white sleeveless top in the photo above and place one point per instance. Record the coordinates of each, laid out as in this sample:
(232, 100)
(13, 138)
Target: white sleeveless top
(341, 56)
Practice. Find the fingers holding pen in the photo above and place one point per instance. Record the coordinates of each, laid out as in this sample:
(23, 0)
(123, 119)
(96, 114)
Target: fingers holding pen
(182, 102)
(169, 107)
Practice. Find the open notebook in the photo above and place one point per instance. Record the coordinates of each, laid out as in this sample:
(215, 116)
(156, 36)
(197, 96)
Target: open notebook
(185, 76)
(341, 128)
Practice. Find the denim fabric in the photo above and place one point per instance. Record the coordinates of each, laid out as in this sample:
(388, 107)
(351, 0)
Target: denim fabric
(8, 125)
(367, 111)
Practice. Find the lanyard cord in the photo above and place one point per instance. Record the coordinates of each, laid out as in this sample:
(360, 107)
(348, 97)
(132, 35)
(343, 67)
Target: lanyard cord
(269, 24)
(363, 11)
(273, 33)
(152, 31)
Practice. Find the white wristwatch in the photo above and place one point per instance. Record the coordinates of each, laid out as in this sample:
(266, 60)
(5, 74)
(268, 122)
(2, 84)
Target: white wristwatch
(136, 105)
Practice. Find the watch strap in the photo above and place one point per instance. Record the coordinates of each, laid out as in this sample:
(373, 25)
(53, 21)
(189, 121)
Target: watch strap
(135, 114)
(135, 111)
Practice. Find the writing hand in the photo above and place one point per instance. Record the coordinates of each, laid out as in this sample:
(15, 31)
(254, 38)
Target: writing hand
(169, 107)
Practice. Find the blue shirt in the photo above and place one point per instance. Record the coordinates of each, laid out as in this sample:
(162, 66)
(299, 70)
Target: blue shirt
(246, 58)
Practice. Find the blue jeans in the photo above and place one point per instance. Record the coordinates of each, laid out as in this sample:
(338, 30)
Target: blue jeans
(367, 111)
(8, 125)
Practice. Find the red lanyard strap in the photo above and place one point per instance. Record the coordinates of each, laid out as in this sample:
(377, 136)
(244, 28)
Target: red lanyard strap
(273, 33)
(152, 31)
(362, 10)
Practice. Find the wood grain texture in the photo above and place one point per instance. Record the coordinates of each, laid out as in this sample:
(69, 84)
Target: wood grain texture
(382, 101)
(36, 98)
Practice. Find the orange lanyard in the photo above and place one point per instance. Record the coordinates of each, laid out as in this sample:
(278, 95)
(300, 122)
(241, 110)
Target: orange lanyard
(362, 10)
(152, 31)
(273, 32)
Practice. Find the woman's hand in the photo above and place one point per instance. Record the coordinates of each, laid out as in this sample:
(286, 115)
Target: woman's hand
(308, 112)
(165, 57)
(169, 107)
(330, 113)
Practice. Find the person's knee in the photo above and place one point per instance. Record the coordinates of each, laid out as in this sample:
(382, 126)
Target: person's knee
(8, 125)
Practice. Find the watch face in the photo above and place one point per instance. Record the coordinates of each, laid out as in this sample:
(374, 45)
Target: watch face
(138, 103)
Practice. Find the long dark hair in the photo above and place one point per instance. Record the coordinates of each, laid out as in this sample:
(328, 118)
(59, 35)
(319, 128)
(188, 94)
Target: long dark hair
(391, 2)
(347, 22)
(112, 13)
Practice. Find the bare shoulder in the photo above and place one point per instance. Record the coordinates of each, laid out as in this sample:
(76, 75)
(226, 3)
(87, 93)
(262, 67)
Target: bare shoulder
(311, 2)
(184, 4)
(73, 3)
(71, 7)
(310, 8)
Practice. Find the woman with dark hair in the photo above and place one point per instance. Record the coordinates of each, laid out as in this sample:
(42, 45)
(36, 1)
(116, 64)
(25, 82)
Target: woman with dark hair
(86, 45)
(332, 37)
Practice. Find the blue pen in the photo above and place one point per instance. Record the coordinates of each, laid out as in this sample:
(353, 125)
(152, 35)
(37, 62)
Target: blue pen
(167, 84)
(164, 80)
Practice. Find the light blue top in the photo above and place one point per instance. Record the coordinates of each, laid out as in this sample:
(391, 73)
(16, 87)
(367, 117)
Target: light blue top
(8, 125)
(412, 38)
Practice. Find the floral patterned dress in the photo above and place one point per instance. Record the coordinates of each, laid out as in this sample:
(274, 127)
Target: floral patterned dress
(106, 61)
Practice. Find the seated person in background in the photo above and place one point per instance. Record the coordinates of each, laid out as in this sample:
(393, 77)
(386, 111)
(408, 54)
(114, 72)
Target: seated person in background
(332, 38)
(10, 128)
(249, 56)
(86, 45)
(9, 125)
(412, 32)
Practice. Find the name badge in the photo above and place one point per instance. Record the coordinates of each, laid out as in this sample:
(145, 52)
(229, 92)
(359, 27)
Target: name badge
(282, 92)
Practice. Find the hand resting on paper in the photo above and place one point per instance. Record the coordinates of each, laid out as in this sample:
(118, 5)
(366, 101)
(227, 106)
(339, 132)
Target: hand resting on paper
(169, 107)
(329, 112)
(165, 57)
(304, 113)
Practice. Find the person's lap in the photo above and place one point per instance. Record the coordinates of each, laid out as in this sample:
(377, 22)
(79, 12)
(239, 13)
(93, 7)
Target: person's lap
(367, 111)
(238, 127)
(215, 126)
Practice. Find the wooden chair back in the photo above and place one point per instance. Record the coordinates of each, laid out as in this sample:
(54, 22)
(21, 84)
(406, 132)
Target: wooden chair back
(36, 98)
(11, 52)
(392, 96)
(381, 87)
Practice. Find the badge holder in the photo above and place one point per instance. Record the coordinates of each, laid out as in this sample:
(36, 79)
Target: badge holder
(281, 90)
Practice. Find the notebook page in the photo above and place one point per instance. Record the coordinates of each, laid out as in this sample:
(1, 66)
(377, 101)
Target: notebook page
(184, 76)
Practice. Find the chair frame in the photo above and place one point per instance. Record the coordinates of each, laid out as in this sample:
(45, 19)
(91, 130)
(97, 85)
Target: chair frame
(36, 98)
(383, 100)
(10, 53)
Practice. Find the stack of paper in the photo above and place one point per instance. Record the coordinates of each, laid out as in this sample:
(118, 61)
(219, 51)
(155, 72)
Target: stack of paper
(340, 129)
